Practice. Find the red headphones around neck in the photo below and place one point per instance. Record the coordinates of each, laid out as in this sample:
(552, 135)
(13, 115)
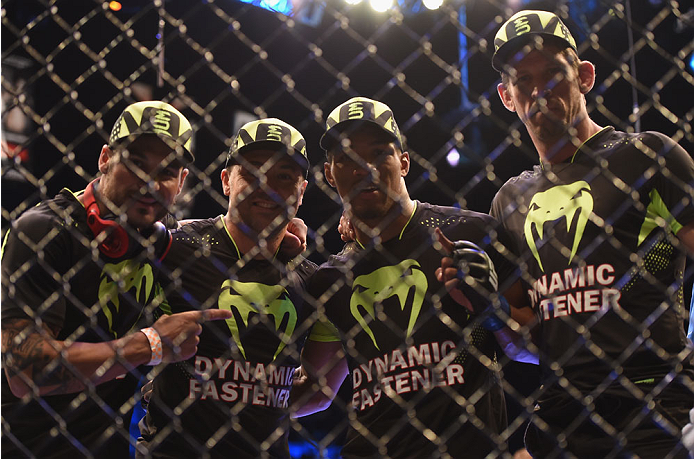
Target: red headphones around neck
(118, 244)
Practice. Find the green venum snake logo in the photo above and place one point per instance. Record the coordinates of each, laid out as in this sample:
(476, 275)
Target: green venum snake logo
(252, 297)
(567, 201)
(119, 278)
(384, 283)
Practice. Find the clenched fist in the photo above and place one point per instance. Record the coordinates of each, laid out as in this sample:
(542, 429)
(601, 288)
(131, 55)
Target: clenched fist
(179, 332)
(470, 278)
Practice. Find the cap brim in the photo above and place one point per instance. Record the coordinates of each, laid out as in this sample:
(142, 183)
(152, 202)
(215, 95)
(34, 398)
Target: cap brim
(187, 157)
(300, 159)
(512, 47)
(341, 130)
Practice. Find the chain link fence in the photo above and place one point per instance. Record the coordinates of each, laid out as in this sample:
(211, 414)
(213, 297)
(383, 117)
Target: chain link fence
(70, 67)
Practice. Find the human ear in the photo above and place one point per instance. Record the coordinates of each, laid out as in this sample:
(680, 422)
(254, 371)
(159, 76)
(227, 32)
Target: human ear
(105, 157)
(586, 76)
(505, 96)
(328, 172)
(404, 163)
(225, 181)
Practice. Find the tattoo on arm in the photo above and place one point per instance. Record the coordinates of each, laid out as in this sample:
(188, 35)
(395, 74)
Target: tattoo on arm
(28, 350)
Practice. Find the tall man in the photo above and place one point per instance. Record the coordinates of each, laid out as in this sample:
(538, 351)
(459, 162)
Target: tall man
(596, 223)
(231, 399)
(422, 365)
(75, 281)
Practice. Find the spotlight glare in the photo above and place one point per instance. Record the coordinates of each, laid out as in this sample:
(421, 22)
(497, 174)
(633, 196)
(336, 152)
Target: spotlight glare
(381, 5)
(353, 2)
(432, 4)
(453, 157)
(115, 6)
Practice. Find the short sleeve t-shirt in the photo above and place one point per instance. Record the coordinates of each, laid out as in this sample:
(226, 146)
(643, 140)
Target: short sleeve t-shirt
(52, 274)
(597, 235)
(235, 391)
(417, 359)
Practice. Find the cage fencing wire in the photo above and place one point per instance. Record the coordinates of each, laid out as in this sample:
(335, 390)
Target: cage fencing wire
(70, 67)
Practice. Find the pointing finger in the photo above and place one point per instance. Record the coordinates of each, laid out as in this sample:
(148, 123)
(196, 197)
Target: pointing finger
(214, 314)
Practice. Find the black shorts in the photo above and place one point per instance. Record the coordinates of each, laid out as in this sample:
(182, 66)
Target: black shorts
(615, 426)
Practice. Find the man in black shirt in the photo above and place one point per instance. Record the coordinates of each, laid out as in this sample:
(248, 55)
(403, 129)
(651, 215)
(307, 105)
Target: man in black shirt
(231, 399)
(602, 224)
(423, 365)
(76, 283)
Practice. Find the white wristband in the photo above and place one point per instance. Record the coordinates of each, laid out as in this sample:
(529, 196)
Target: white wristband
(154, 345)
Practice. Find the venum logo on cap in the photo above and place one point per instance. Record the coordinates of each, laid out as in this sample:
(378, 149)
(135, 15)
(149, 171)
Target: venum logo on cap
(521, 25)
(162, 121)
(357, 110)
(274, 132)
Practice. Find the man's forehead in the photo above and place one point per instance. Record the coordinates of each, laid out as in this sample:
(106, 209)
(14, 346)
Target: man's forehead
(368, 133)
(154, 149)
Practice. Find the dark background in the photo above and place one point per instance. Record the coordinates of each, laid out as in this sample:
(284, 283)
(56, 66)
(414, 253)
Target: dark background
(79, 64)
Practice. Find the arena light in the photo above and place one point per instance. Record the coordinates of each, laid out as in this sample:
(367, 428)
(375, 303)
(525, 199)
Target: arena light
(453, 157)
(432, 4)
(380, 5)
(115, 6)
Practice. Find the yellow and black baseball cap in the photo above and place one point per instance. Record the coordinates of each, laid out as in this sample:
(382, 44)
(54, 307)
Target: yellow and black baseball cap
(521, 27)
(270, 133)
(359, 110)
(154, 117)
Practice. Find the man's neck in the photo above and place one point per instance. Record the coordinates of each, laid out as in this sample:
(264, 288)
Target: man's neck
(248, 242)
(387, 227)
(563, 149)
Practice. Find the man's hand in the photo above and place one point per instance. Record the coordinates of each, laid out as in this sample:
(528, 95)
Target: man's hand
(470, 278)
(146, 393)
(294, 242)
(345, 228)
(468, 274)
(179, 332)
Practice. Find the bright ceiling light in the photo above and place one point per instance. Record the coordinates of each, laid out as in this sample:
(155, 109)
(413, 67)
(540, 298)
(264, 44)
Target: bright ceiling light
(353, 2)
(453, 157)
(115, 6)
(432, 4)
(381, 5)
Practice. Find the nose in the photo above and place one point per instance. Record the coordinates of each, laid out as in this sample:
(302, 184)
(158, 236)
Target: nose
(366, 169)
(152, 185)
(541, 90)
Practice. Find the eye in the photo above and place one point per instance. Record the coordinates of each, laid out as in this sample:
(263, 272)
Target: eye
(521, 79)
(170, 172)
(135, 164)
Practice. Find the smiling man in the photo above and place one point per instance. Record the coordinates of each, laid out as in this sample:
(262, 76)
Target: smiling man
(421, 362)
(231, 399)
(77, 279)
(603, 224)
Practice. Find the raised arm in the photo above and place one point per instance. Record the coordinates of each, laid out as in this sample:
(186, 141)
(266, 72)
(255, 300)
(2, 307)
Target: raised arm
(476, 290)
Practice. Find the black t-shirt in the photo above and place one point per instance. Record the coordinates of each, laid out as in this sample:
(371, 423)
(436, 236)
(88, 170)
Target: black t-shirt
(417, 359)
(230, 399)
(596, 232)
(51, 274)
